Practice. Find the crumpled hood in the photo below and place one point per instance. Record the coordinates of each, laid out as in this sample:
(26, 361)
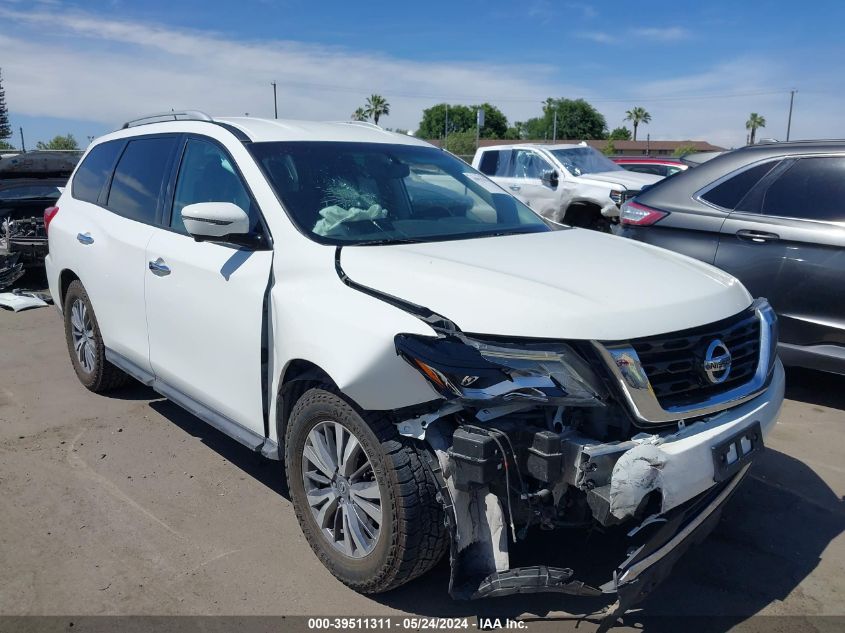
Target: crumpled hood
(629, 179)
(568, 284)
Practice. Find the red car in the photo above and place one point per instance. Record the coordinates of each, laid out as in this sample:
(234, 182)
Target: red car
(656, 166)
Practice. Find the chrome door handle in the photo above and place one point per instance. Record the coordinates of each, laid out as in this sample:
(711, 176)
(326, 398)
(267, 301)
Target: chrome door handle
(158, 267)
(759, 237)
(84, 238)
(514, 187)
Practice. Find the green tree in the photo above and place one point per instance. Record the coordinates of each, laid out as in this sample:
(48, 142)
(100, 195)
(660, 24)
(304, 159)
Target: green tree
(376, 107)
(609, 148)
(5, 127)
(433, 122)
(462, 118)
(495, 122)
(683, 150)
(59, 142)
(461, 143)
(359, 115)
(620, 134)
(576, 120)
(754, 121)
(6, 145)
(636, 116)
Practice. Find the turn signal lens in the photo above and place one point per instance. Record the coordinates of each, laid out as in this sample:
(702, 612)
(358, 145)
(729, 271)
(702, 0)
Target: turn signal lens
(432, 374)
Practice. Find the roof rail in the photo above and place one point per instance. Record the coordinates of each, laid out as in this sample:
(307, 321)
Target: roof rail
(364, 123)
(806, 141)
(181, 115)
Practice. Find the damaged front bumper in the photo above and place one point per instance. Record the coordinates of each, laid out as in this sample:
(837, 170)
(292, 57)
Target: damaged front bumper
(666, 490)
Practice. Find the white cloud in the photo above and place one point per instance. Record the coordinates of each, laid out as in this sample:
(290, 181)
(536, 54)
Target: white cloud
(599, 37)
(107, 71)
(667, 34)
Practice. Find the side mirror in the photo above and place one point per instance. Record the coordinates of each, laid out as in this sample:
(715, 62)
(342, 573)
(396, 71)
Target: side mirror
(215, 221)
(550, 178)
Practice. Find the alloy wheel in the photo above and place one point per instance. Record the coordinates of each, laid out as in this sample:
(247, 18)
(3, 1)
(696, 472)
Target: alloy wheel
(341, 488)
(82, 335)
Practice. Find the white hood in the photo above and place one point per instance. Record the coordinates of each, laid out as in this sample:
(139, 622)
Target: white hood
(568, 284)
(629, 179)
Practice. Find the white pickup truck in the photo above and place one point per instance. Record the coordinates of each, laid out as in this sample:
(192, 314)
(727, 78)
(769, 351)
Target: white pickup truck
(568, 184)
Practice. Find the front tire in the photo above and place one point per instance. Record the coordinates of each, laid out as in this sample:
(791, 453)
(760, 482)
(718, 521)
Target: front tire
(363, 497)
(85, 343)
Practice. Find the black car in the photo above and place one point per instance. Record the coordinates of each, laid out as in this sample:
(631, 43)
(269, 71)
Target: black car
(773, 215)
(29, 183)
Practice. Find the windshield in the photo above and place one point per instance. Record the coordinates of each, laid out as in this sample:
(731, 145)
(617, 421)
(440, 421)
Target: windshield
(366, 193)
(30, 192)
(584, 160)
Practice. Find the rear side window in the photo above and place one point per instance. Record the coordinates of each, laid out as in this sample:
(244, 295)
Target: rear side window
(496, 163)
(728, 194)
(657, 170)
(95, 171)
(139, 176)
(812, 189)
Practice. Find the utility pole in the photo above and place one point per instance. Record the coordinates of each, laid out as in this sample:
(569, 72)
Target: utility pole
(23, 145)
(479, 123)
(446, 127)
(554, 129)
(789, 120)
(648, 144)
(275, 103)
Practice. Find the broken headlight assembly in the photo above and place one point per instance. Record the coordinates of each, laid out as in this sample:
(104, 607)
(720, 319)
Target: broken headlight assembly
(484, 372)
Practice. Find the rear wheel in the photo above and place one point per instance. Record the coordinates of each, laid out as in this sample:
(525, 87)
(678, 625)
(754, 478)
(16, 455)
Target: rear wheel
(85, 343)
(587, 216)
(363, 497)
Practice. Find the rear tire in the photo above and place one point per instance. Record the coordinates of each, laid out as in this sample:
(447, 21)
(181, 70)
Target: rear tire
(587, 216)
(85, 343)
(411, 535)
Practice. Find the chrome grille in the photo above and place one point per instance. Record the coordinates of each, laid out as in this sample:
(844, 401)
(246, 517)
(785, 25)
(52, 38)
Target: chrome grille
(673, 363)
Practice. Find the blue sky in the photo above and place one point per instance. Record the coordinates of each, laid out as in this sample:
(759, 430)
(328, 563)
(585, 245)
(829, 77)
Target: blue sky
(699, 68)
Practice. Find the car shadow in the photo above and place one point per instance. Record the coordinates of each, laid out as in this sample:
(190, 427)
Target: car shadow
(815, 387)
(266, 471)
(759, 553)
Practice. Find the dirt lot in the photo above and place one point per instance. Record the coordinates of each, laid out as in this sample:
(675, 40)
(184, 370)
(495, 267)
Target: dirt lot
(127, 505)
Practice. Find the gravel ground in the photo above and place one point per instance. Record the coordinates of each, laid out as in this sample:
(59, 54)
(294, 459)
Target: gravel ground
(125, 504)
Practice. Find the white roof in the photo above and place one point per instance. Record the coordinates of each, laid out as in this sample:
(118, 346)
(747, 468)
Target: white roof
(548, 146)
(260, 130)
(292, 130)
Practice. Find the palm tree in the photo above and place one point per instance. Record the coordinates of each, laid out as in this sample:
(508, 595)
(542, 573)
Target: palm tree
(359, 115)
(636, 116)
(376, 107)
(754, 121)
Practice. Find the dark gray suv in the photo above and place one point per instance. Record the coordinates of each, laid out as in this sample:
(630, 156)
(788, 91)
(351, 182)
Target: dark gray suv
(773, 215)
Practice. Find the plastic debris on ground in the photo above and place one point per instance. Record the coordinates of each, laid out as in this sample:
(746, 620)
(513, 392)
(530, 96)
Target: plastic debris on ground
(18, 299)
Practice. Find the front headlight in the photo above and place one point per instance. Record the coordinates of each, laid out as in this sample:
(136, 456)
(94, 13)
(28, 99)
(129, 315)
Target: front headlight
(616, 196)
(476, 371)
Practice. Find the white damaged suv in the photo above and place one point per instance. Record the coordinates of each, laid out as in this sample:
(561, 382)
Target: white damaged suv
(437, 367)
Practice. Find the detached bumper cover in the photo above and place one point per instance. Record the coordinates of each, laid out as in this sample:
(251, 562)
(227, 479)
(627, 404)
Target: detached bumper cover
(652, 562)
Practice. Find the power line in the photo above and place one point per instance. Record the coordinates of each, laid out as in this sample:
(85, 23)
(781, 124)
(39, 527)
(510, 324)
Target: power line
(441, 97)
